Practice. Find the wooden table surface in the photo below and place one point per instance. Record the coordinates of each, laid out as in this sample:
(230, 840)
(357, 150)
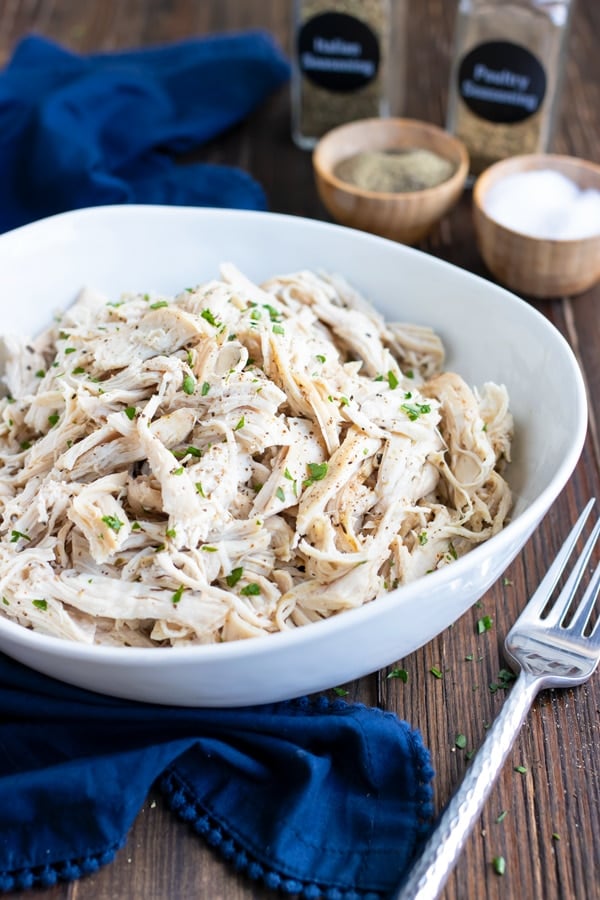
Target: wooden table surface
(549, 835)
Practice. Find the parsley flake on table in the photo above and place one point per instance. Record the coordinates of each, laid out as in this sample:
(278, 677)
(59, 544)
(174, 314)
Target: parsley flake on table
(401, 674)
(460, 741)
(521, 769)
(340, 691)
(436, 672)
(499, 864)
(484, 624)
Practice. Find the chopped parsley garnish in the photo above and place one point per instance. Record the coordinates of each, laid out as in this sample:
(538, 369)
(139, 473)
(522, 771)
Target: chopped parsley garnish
(321, 358)
(436, 672)
(135, 526)
(194, 451)
(15, 535)
(452, 550)
(113, 523)
(499, 864)
(189, 384)
(287, 474)
(70, 350)
(274, 315)
(255, 315)
(423, 538)
(505, 677)
(53, 419)
(278, 329)
(40, 604)
(40, 373)
(130, 412)
(234, 576)
(280, 494)
(78, 370)
(25, 445)
(392, 380)
(240, 424)
(205, 388)
(199, 489)
(378, 378)
(209, 549)
(177, 595)
(208, 317)
(5, 601)
(159, 304)
(250, 590)
(402, 674)
(484, 624)
(316, 472)
(177, 471)
(171, 533)
(414, 410)
(409, 373)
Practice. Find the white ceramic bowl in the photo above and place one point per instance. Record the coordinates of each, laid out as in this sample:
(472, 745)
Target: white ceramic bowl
(489, 334)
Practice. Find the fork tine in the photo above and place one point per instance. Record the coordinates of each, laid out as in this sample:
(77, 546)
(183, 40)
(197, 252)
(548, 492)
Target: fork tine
(548, 582)
(584, 610)
(561, 607)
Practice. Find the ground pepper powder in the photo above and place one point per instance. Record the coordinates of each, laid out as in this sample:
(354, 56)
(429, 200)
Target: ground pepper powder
(343, 64)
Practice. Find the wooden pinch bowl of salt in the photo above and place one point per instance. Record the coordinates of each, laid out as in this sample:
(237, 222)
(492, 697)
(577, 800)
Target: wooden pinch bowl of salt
(537, 223)
(406, 214)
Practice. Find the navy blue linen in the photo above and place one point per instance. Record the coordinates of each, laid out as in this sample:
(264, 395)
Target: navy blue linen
(315, 797)
(80, 131)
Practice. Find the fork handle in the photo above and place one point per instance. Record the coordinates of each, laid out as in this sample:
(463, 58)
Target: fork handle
(432, 869)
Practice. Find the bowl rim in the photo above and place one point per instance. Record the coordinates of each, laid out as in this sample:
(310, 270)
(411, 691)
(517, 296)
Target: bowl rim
(327, 174)
(401, 597)
(490, 176)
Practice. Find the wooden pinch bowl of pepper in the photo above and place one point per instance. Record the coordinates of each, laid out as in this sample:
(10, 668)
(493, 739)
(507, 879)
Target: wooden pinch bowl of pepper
(393, 177)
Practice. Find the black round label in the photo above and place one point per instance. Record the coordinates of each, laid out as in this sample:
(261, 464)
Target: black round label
(502, 82)
(338, 52)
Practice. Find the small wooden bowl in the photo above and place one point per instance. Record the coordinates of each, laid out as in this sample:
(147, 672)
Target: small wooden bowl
(534, 266)
(408, 216)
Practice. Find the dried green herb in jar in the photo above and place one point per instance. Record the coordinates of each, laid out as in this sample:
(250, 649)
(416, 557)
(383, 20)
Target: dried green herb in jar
(342, 69)
(506, 76)
(395, 171)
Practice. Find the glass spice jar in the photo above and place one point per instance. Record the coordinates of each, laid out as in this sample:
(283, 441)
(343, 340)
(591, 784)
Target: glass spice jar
(348, 64)
(506, 76)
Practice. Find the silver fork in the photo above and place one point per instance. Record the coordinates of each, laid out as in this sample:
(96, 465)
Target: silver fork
(548, 654)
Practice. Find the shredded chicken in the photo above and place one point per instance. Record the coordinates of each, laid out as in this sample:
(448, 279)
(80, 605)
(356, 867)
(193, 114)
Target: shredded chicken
(234, 461)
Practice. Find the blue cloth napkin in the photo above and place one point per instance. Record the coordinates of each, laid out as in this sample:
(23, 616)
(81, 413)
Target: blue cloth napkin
(80, 131)
(315, 797)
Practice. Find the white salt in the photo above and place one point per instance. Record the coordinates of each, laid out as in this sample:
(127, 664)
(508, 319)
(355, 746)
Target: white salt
(544, 204)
